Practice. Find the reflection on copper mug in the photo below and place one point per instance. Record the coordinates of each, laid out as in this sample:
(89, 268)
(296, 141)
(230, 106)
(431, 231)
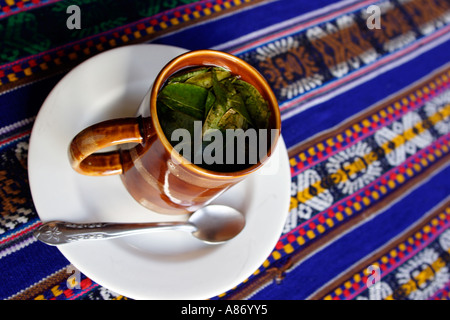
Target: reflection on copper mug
(153, 173)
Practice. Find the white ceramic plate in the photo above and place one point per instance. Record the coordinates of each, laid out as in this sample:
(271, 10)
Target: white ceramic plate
(163, 265)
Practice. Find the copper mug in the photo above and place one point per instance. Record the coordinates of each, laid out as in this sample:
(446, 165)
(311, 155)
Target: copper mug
(153, 173)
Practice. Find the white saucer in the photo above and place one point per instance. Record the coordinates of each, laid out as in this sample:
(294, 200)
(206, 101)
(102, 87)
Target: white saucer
(163, 265)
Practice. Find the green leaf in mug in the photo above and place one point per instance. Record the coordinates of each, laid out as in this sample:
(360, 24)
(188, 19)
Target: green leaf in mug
(232, 119)
(214, 115)
(220, 105)
(210, 99)
(187, 98)
(256, 105)
(205, 79)
(222, 101)
(220, 89)
(171, 120)
(183, 76)
(235, 101)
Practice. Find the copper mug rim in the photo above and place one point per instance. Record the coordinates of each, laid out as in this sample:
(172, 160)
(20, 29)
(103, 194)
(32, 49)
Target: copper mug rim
(212, 58)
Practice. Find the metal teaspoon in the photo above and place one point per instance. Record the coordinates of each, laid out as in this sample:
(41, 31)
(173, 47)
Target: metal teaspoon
(211, 224)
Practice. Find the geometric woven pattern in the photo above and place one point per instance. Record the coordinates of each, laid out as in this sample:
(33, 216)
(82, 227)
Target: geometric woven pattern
(365, 118)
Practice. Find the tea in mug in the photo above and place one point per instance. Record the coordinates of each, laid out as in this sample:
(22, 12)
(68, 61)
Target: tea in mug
(214, 119)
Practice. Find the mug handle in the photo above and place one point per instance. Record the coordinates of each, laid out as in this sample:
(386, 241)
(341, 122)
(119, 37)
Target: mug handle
(83, 149)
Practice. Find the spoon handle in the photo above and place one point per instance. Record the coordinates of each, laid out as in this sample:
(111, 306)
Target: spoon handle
(60, 232)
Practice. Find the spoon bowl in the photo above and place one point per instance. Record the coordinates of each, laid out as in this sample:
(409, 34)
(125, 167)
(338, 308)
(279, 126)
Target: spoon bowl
(217, 223)
(212, 224)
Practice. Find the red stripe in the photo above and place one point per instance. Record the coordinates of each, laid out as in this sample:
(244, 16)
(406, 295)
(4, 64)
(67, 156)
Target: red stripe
(15, 137)
(94, 285)
(21, 233)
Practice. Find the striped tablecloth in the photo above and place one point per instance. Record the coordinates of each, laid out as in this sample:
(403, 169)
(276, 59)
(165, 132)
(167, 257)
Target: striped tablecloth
(364, 94)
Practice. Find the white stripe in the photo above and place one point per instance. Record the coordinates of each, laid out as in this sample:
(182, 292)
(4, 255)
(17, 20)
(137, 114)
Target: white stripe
(16, 125)
(261, 288)
(17, 246)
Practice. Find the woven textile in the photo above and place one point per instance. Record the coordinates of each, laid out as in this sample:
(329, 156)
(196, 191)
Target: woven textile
(365, 117)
